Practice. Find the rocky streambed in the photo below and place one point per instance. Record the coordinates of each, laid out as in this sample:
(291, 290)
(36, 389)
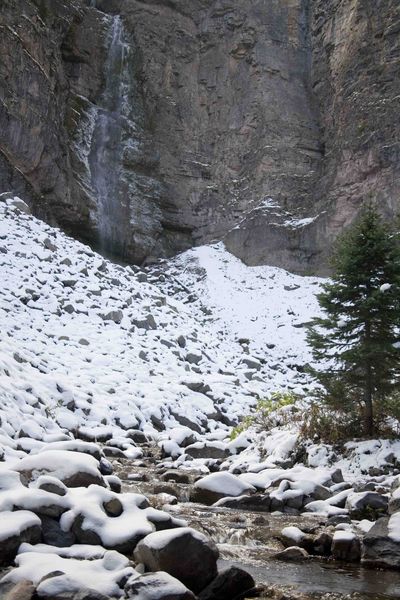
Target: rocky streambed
(254, 540)
(80, 526)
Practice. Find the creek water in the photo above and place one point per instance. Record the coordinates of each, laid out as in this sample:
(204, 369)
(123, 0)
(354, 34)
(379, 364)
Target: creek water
(314, 576)
(249, 540)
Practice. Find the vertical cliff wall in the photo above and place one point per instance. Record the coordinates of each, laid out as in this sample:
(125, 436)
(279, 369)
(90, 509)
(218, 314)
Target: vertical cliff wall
(356, 80)
(147, 126)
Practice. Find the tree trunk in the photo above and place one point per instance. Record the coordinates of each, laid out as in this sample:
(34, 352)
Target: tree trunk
(369, 410)
(368, 390)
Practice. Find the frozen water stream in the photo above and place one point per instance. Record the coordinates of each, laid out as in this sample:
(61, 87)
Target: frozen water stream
(106, 147)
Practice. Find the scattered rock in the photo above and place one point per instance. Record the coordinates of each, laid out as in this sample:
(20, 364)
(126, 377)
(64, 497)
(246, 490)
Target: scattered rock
(322, 545)
(114, 482)
(252, 363)
(16, 528)
(194, 358)
(183, 553)
(255, 503)
(147, 323)
(106, 467)
(366, 505)
(228, 584)
(114, 315)
(212, 488)
(346, 546)
(214, 450)
(292, 554)
(181, 341)
(176, 476)
(379, 548)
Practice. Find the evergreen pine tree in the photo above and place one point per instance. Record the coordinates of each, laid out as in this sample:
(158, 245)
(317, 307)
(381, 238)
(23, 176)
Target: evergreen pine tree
(357, 338)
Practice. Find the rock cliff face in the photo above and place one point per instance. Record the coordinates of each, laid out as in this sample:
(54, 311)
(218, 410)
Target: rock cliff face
(148, 126)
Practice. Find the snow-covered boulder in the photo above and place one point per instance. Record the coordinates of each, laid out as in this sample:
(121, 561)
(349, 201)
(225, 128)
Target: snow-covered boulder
(253, 503)
(293, 536)
(157, 586)
(74, 469)
(47, 483)
(118, 522)
(14, 497)
(74, 446)
(346, 546)
(170, 448)
(183, 436)
(105, 575)
(16, 203)
(213, 487)
(333, 506)
(184, 553)
(285, 496)
(16, 528)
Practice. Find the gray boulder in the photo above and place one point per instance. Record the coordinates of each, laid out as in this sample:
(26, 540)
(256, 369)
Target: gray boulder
(114, 315)
(256, 503)
(16, 528)
(394, 502)
(183, 553)
(292, 554)
(366, 505)
(378, 548)
(228, 584)
(147, 323)
(137, 436)
(346, 546)
(176, 476)
(194, 358)
(53, 535)
(207, 450)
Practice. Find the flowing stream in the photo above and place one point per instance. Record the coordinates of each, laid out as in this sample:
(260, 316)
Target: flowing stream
(249, 539)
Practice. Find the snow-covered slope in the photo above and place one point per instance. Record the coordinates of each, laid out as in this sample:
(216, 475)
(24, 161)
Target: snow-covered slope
(267, 306)
(92, 345)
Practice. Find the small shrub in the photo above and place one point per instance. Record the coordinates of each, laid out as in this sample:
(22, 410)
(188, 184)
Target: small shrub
(337, 415)
(324, 424)
(277, 410)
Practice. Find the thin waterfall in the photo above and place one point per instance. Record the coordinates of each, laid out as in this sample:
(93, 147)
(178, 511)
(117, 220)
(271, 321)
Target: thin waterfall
(106, 147)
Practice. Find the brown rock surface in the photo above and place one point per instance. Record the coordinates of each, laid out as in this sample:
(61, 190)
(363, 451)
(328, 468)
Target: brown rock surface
(145, 127)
